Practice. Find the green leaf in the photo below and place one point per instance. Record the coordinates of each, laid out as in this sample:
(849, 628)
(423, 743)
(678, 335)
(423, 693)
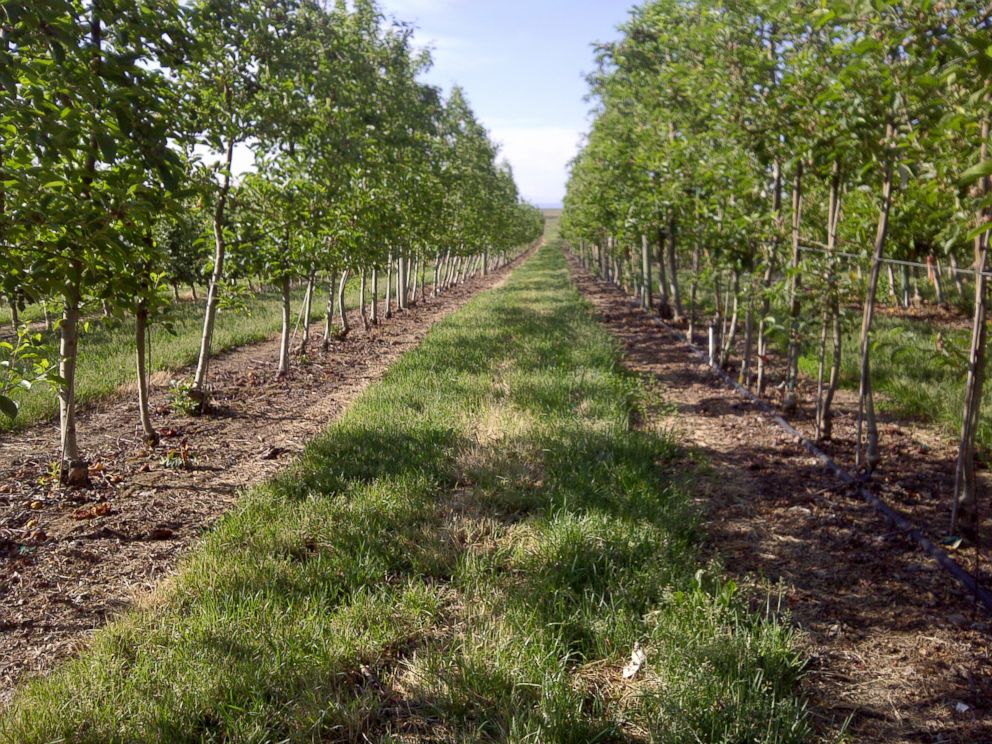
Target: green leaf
(108, 146)
(975, 172)
(8, 407)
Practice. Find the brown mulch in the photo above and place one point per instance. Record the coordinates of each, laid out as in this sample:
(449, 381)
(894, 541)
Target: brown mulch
(70, 560)
(896, 652)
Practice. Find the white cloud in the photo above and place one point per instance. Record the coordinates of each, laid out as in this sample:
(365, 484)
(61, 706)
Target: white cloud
(539, 156)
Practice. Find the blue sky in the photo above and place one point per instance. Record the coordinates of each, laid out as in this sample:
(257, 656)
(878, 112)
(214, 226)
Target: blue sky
(522, 65)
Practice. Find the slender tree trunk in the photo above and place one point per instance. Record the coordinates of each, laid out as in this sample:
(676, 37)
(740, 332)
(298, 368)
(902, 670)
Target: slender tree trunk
(731, 335)
(938, 282)
(175, 291)
(956, 274)
(329, 315)
(202, 375)
(905, 286)
(965, 485)
(287, 328)
(361, 303)
(767, 283)
(308, 310)
(866, 405)
(415, 281)
(140, 342)
(647, 301)
(693, 289)
(401, 272)
(893, 290)
(342, 308)
(790, 400)
(15, 315)
(389, 287)
(748, 357)
(673, 270)
(664, 309)
(825, 397)
(374, 302)
(74, 471)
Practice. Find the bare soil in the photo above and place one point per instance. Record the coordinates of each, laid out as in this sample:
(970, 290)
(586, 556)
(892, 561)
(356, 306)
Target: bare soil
(896, 652)
(70, 559)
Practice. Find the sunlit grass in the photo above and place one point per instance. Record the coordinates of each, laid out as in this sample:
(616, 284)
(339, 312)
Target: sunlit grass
(470, 554)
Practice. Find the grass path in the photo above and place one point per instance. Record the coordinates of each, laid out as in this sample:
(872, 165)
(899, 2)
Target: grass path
(470, 554)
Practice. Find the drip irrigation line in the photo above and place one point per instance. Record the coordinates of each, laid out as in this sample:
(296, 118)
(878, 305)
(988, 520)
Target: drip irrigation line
(966, 579)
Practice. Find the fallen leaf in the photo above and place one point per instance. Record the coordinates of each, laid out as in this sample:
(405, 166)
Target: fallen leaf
(962, 707)
(637, 659)
(37, 505)
(93, 511)
(97, 467)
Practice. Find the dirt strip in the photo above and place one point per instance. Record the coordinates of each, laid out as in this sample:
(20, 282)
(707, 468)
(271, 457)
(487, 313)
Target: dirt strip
(897, 654)
(72, 559)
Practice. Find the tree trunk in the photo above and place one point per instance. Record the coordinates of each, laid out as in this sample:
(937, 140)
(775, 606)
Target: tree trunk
(342, 309)
(767, 283)
(647, 301)
(374, 301)
(731, 334)
(905, 286)
(893, 290)
(965, 486)
(958, 283)
(389, 287)
(866, 405)
(361, 303)
(308, 310)
(201, 377)
(693, 288)
(401, 272)
(140, 341)
(747, 359)
(15, 315)
(938, 282)
(329, 315)
(790, 400)
(673, 270)
(74, 470)
(287, 329)
(664, 309)
(825, 397)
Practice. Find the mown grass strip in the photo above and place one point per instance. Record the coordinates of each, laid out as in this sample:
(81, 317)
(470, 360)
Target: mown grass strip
(470, 554)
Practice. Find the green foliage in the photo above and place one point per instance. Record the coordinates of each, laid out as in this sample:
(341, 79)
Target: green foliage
(25, 362)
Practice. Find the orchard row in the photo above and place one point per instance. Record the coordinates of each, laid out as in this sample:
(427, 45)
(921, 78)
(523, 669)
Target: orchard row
(146, 144)
(779, 155)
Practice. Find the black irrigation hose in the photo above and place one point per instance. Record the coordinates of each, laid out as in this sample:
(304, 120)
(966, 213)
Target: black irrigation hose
(955, 569)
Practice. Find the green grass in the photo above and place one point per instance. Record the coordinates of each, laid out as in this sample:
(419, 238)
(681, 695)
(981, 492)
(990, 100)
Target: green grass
(106, 351)
(913, 378)
(469, 554)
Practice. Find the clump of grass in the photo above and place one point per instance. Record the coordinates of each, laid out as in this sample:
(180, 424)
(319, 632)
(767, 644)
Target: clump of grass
(469, 554)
